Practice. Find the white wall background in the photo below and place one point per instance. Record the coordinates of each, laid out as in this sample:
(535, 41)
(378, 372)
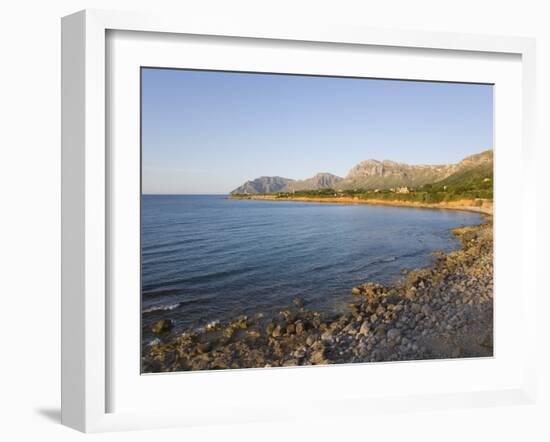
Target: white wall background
(30, 214)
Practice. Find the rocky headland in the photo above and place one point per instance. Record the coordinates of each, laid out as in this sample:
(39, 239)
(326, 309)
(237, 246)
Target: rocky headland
(444, 311)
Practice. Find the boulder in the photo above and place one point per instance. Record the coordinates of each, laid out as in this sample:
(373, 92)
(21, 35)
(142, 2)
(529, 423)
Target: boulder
(394, 299)
(298, 302)
(318, 356)
(163, 326)
(354, 309)
(349, 329)
(327, 335)
(311, 339)
(373, 290)
(276, 331)
(241, 323)
(394, 335)
(228, 332)
(365, 329)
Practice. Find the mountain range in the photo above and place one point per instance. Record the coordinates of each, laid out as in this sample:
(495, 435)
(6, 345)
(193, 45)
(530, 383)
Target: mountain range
(374, 174)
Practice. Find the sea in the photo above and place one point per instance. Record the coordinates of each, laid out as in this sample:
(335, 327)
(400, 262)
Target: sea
(207, 258)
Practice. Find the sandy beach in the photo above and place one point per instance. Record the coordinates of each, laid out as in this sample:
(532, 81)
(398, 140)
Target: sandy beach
(478, 206)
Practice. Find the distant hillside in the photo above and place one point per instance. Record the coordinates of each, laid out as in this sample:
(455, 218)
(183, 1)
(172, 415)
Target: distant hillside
(264, 184)
(373, 174)
(386, 174)
(471, 169)
(319, 181)
(267, 184)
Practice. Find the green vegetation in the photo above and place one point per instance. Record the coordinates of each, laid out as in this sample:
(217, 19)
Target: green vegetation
(468, 186)
(473, 177)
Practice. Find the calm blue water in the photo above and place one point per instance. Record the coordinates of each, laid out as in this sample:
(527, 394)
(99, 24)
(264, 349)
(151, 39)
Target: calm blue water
(208, 258)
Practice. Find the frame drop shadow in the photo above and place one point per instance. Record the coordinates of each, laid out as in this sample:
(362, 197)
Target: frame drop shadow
(51, 414)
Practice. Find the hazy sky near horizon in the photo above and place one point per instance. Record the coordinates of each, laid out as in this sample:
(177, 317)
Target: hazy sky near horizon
(209, 132)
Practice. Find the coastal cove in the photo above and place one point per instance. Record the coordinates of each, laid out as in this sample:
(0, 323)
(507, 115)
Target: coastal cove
(293, 255)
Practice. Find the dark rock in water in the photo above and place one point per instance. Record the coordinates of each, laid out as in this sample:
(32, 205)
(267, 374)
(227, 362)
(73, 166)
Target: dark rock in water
(163, 326)
(241, 323)
(372, 289)
(354, 308)
(228, 332)
(298, 302)
(286, 315)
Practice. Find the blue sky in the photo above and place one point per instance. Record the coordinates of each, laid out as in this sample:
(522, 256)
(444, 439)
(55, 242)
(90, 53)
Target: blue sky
(208, 132)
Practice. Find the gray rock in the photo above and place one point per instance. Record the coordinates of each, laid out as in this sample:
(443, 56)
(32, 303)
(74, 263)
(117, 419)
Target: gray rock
(394, 334)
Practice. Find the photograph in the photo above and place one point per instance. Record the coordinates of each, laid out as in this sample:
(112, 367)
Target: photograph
(297, 220)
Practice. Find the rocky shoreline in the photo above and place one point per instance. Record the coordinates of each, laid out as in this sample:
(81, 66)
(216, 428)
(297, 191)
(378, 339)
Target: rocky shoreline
(444, 311)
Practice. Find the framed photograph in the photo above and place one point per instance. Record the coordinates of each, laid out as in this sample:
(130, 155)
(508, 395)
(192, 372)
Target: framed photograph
(268, 221)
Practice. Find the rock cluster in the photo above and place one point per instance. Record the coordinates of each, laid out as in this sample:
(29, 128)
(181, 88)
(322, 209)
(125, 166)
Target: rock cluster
(445, 311)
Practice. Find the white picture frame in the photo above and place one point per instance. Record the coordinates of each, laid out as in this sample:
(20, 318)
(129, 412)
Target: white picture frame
(86, 207)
